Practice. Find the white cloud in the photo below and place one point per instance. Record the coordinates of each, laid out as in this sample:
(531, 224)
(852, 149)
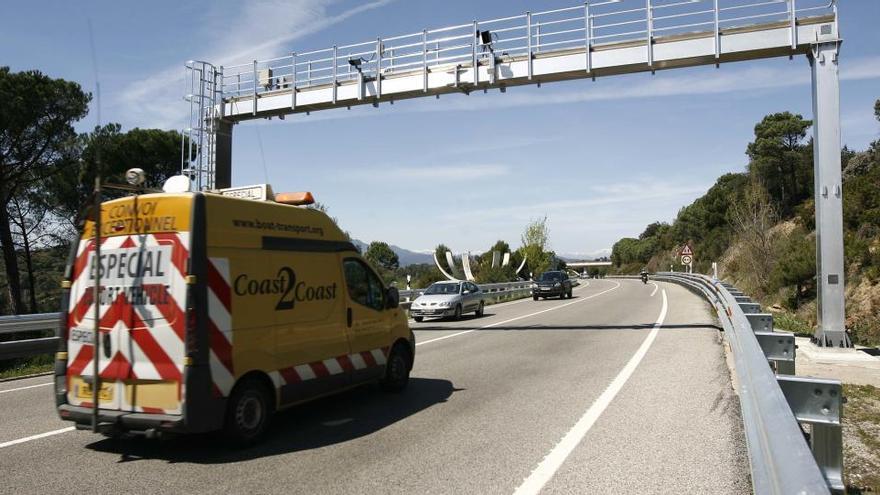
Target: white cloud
(263, 28)
(598, 200)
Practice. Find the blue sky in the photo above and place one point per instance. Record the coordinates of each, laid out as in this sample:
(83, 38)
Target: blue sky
(601, 159)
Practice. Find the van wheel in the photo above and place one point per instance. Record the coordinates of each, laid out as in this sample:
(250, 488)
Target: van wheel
(457, 315)
(418, 319)
(535, 298)
(396, 370)
(248, 413)
(479, 312)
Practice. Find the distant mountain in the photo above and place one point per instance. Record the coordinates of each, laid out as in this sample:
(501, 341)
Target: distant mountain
(405, 256)
(602, 253)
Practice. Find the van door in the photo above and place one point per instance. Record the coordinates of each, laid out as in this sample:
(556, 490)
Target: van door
(141, 323)
(311, 348)
(367, 320)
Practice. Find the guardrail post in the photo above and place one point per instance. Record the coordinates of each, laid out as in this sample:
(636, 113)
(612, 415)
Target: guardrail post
(293, 80)
(819, 402)
(335, 69)
(717, 35)
(779, 348)
(748, 307)
(760, 322)
(378, 68)
(254, 94)
(425, 61)
(529, 42)
(588, 37)
(649, 23)
(474, 54)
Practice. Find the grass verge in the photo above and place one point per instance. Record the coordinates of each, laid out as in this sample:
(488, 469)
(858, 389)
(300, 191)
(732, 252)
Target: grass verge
(791, 323)
(861, 438)
(28, 366)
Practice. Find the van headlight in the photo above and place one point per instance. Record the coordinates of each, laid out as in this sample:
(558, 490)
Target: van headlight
(557, 284)
(534, 286)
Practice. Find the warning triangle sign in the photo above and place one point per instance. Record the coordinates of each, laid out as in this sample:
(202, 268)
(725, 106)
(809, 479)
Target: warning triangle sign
(686, 251)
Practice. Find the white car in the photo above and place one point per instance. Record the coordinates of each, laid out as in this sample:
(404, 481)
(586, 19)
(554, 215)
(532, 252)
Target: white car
(451, 298)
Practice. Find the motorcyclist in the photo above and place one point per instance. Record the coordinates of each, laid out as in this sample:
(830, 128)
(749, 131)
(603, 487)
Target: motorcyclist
(644, 275)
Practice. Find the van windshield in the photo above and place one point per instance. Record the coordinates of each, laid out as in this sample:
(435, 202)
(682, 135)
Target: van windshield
(443, 289)
(551, 277)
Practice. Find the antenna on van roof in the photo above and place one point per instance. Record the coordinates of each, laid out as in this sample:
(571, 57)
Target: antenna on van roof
(96, 378)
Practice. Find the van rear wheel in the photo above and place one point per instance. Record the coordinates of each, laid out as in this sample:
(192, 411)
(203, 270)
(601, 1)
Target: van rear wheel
(396, 370)
(248, 413)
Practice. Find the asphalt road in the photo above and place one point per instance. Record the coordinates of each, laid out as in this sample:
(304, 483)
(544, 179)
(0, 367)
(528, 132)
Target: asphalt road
(613, 391)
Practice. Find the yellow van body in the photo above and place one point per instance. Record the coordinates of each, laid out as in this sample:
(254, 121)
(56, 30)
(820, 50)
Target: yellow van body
(202, 292)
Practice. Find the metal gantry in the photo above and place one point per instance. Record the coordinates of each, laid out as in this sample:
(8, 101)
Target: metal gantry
(584, 41)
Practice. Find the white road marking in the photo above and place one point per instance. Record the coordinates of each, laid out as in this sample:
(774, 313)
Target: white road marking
(554, 308)
(25, 388)
(655, 289)
(36, 437)
(554, 460)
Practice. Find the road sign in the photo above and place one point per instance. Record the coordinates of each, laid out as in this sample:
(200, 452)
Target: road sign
(686, 251)
(686, 259)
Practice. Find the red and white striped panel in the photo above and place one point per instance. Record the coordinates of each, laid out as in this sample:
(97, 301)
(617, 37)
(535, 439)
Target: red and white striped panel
(147, 338)
(329, 367)
(220, 326)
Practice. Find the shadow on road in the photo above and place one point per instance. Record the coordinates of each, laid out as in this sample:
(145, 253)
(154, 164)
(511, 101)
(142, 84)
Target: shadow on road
(636, 326)
(337, 419)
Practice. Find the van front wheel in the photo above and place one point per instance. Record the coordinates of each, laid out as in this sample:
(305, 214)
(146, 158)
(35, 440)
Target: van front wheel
(248, 413)
(396, 370)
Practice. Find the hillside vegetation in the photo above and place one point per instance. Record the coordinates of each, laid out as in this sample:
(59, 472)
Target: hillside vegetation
(759, 225)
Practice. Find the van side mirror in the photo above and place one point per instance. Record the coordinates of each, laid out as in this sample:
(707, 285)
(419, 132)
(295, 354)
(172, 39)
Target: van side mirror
(392, 298)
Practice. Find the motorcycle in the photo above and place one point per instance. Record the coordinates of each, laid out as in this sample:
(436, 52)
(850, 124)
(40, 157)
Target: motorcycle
(645, 278)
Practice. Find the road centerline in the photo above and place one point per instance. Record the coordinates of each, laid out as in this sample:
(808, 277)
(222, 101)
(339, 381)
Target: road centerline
(548, 467)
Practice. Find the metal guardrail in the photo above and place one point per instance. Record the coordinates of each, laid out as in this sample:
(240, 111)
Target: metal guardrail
(29, 323)
(495, 292)
(28, 348)
(774, 403)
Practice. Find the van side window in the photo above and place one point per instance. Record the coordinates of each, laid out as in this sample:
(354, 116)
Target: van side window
(364, 287)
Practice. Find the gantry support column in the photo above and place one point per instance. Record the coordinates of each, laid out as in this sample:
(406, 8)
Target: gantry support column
(828, 193)
(223, 157)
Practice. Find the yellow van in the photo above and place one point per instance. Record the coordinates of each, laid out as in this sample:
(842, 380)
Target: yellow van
(215, 311)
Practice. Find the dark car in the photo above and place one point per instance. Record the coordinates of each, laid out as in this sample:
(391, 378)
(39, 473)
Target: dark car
(552, 284)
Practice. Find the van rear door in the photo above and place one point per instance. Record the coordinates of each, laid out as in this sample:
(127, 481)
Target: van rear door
(143, 267)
